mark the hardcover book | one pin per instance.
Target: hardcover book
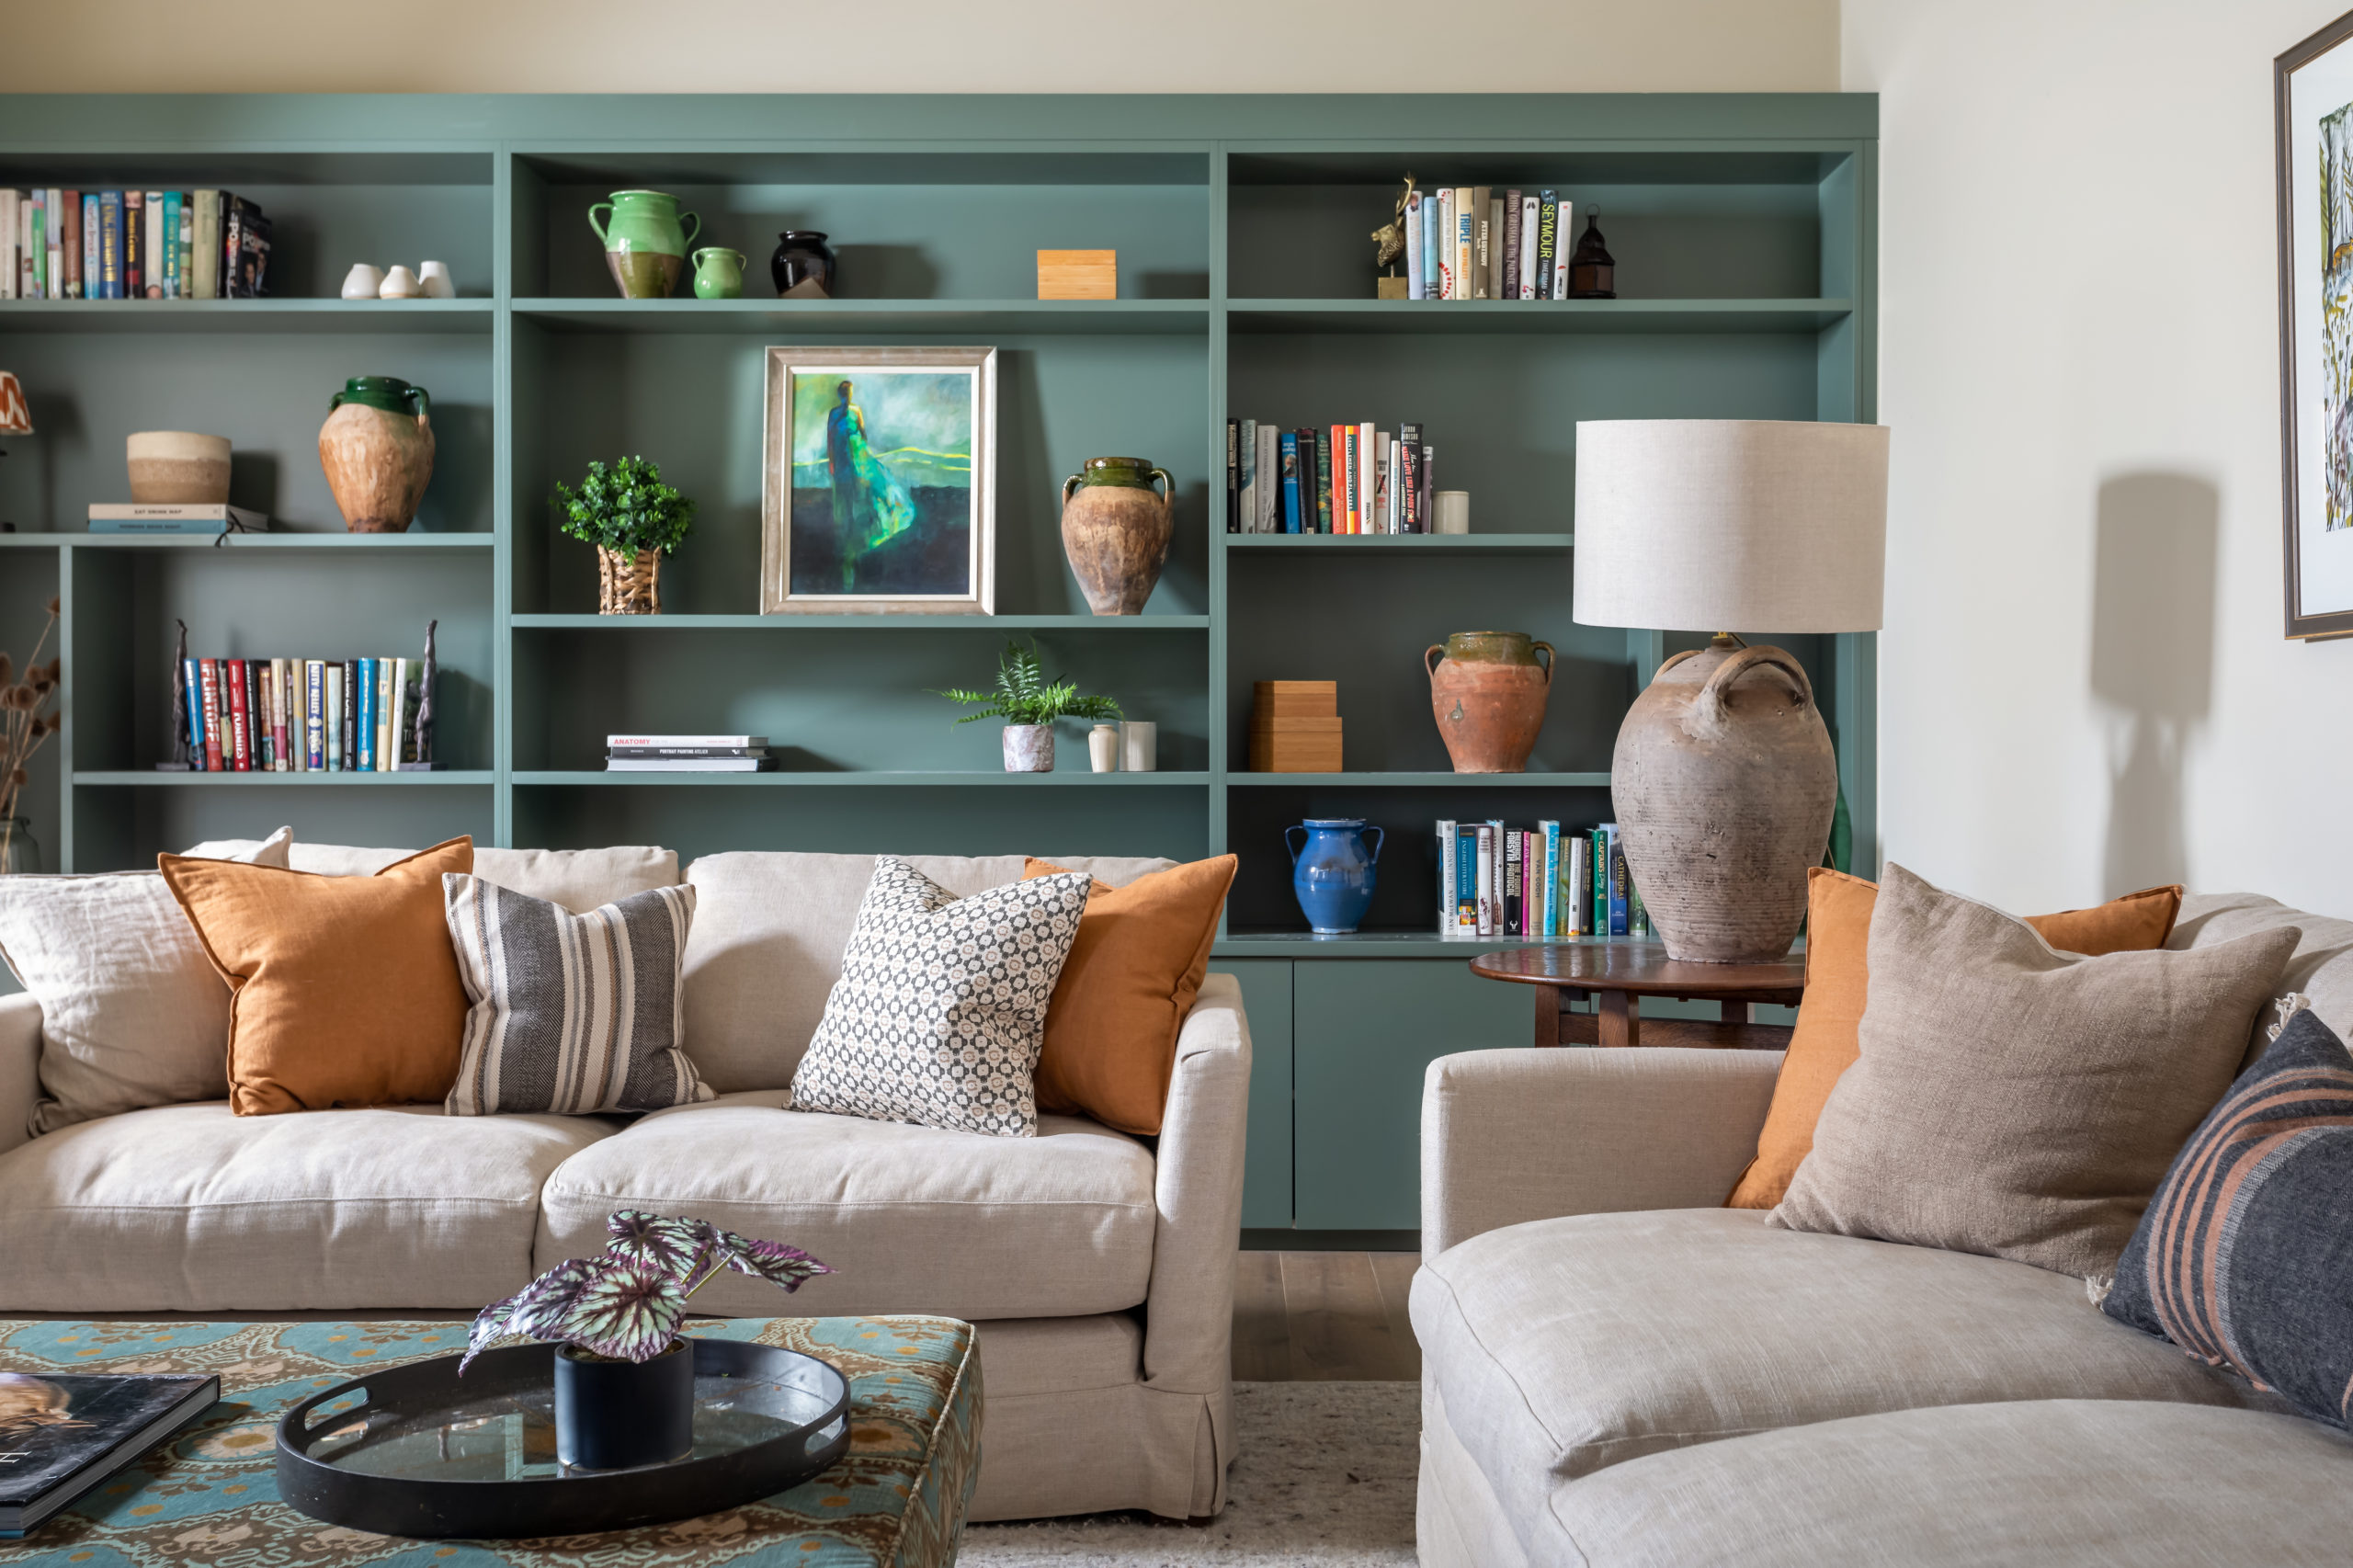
(110, 244)
(174, 517)
(1547, 239)
(1322, 481)
(204, 247)
(725, 742)
(135, 244)
(1290, 517)
(1234, 476)
(1482, 243)
(1511, 244)
(153, 247)
(62, 1434)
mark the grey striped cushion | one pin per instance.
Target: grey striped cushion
(572, 1013)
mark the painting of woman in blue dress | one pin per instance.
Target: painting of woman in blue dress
(881, 481)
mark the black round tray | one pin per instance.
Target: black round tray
(417, 1450)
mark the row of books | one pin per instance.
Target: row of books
(303, 715)
(1534, 883)
(1340, 479)
(132, 245)
(1478, 242)
(687, 754)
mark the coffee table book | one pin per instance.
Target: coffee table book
(62, 1435)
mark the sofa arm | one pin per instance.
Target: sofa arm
(1515, 1136)
(1189, 1312)
(19, 1068)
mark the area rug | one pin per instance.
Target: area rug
(1325, 1478)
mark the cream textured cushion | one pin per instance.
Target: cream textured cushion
(191, 1208)
(132, 1012)
(2091, 1483)
(769, 933)
(911, 1217)
(2321, 969)
(580, 879)
(2015, 1100)
(1568, 1346)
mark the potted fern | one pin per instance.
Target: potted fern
(1029, 703)
(634, 520)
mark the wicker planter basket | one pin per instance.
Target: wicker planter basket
(628, 585)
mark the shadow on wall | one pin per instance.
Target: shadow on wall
(2153, 661)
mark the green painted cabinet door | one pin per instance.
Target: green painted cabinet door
(1266, 1172)
(1363, 1030)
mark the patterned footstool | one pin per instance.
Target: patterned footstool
(210, 1495)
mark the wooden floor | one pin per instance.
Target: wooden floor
(1324, 1317)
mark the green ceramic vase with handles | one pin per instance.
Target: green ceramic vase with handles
(719, 273)
(645, 241)
(377, 451)
(1116, 530)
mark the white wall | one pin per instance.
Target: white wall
(2083, 683)
(918, 46)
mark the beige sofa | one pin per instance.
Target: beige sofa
(1617, 1371)
(1098, 1265)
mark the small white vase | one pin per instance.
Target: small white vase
(1103, 748)
(1029, 748)
(363, 281)
(1139, 746)
(400, 283)
(435, 277)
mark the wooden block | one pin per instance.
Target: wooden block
(1295, 699)
(1078, 274)
(1295, 745)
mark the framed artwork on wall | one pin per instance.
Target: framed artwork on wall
(879, 489)
(2313, 111)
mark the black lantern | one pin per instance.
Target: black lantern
(1593, 271)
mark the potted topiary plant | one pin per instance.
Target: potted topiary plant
(633, 520)
(624, 1380)
(1029, 703)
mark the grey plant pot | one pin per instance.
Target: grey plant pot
(1029, 748)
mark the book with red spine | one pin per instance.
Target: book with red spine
(281, 716)
(1345, 446)
(240, 717)
(209, 689)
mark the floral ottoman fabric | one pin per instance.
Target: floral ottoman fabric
(208, 1499)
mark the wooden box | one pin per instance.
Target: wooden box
(1078, 274)
(1295, 745)
(1295, 699)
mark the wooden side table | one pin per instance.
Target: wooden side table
(1622, 973)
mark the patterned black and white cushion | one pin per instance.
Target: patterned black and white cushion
(572, 1013)
(940, 1010)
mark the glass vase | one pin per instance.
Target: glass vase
(19, 851)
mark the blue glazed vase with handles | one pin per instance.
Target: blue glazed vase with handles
(1332, 873)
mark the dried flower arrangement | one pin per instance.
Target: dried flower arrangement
(28, 717)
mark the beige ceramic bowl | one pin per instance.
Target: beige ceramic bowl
(178, 468)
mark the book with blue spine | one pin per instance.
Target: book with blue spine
(1610, 873)
(1466, 879)
(1549, 926)
(193, 681)
(1289, 440)
(1414, 274)
(366, 715)
(110, 244)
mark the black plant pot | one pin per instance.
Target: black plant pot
(620, 1415)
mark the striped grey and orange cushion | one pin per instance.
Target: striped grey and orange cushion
(2244, 1259)
(570, 1012)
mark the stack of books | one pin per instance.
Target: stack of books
(303, 715)
(1474, 241)
(1341, 479)
(182, 517)
(1295, 726)
(132, 245)
(1536, 884)
(687, 754)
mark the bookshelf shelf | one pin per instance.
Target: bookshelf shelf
(1240, 223)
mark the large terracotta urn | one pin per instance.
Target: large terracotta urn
(377, 449)
(1724, 784)
(1487, 693)
(1116, 530)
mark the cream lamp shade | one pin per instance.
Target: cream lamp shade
(1719, 525)
(15, 416)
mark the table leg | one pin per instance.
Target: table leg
(1548, 1015)
(1621, 1018)
(1736, 1012)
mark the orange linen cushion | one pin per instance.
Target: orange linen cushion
(1823, 1046)
(1131, 976)
(344, 991)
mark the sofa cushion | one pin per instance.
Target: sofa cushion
(2321, 967)
(1568, 1346)
(769, 933)
(191, 1208)
(2092, 1483)
(580, 879)
(910, 1219)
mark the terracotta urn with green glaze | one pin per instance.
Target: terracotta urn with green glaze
(1487, 692)
(1116, 530)
(376, 450)
(646, 241)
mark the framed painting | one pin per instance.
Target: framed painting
(879, 494)
(2313, 110)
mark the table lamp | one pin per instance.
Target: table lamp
(1724, 777)
(16, 417)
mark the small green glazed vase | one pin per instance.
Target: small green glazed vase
(719, 273)
(646, 241)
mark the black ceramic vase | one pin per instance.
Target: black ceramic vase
(621, 1414)
(802, 258)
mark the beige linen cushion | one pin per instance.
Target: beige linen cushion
(579, 879)
(2015, 1100)
(1566, 1346)
(768, 937)
(911, 1218)
(131, 1012)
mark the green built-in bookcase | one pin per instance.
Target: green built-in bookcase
(1742, 227)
